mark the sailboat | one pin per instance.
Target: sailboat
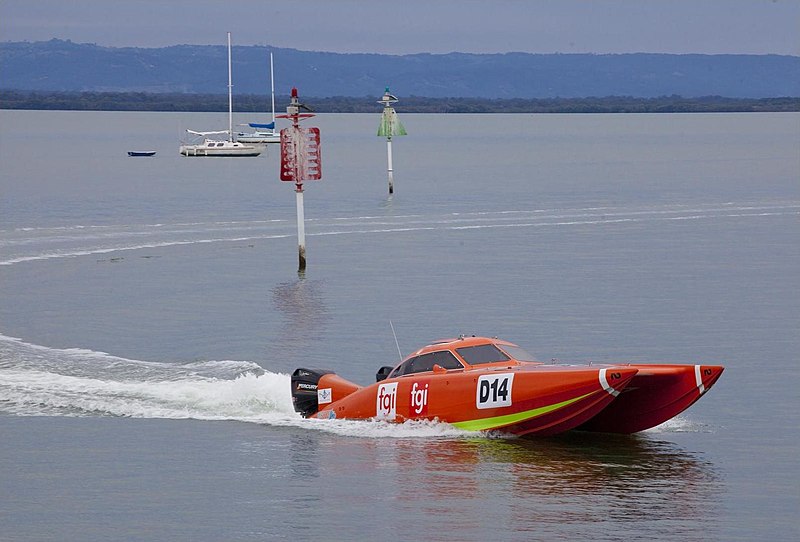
(221, 147)
(263, 133)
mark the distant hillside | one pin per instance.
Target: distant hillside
(63, 66)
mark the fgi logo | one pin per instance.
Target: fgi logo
(419, 398)
(386, 402)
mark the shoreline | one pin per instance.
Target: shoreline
(176, 102)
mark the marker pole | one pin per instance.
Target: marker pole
(301, 229)
(390, 125)
(300, 161)
(391, 171)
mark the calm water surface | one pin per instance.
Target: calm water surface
(151, 311)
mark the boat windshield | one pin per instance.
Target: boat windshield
(425, 362)
(485, 353)
(519, 354)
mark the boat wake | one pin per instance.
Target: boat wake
(40, 381)
(36, 380)
(31, 244)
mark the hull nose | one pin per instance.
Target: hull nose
(614, 379)
(706, 375)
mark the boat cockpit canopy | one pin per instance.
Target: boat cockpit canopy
(483, 353)
(425, 362)
(480, 354)
(519, 354)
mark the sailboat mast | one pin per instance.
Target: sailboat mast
(230, 93)
(272, 89)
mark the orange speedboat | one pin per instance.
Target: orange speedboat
(484, 384)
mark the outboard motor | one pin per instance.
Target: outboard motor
(383, 372)
(304, 390)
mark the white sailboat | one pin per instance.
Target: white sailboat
(263, 133)
(221, 147)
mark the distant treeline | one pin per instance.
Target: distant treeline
(141, 101)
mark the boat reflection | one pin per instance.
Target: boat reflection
(567, 487)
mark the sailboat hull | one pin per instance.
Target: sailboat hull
(263, 138)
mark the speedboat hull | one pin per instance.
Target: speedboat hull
(656, 394)
(482, 384)
(522, 400)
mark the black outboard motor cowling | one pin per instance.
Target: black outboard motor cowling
(304, 390)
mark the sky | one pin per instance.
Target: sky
(419, 26)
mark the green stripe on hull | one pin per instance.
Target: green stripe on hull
(497, 422)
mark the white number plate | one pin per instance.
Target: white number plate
(494, 390)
